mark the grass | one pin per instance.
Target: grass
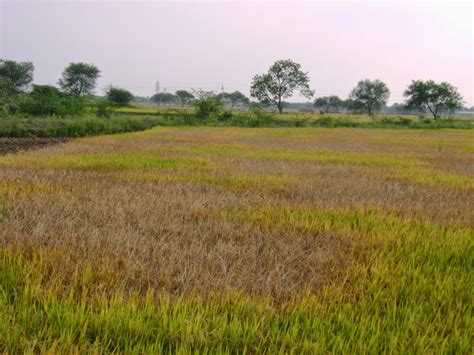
(302, 240)
(185, 116)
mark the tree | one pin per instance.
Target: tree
(370, 94)
(422, 95)
(234, 98)
(184, 96)
(79, 79)
(328, 102)
(282, 79)
(15, 77)
(163, 98)
(119, 96)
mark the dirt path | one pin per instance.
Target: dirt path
(13, 145)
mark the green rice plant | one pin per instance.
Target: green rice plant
(105, 162)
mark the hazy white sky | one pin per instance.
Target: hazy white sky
(203, 44)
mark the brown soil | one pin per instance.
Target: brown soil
(13, 145)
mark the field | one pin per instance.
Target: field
(183, 239)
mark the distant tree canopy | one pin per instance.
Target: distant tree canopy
(395, 108)
(119, 96)
(15, 77)
(279, 83)
(184, 96)
(328, 102)
(163, 98)
(234, 98)
(79, 79)
(422, 95)
(369, 94)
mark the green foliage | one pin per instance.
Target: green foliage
(8, 106)
(184, 96)
(279, 83)
(79, 79)
(422, 95)
(370, 94)
(46, 100)
(119, 96)
(104, 108)
(328, 103)
(15, 77)
(234, 98)
(257, 116)
(164, 98)
(208, 105)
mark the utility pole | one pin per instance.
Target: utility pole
(157, 87)
(222, 88)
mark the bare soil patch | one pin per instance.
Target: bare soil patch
(13, 145)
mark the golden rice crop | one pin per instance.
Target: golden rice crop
(240, 239)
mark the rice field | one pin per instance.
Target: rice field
(229, 240)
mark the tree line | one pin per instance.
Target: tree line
(285, 77)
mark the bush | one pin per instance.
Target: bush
(225, 116)
(104, 108)
(259, 113)
(207, 107)
(8, 106)
(46, 100)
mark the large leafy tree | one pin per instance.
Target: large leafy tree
(422, 95)
(328, 102)
(370, 94)
(279, 83)
(79, 79)
(15, 77)
(119, 96)
(184, 96)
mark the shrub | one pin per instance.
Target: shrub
(46, 100)
(226, 116)
(207, 107)
(104, 108)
